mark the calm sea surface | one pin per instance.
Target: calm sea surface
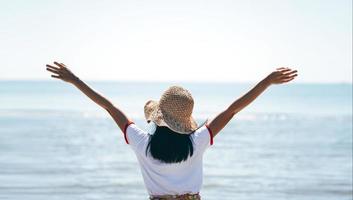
(294, 142)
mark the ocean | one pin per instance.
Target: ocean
(294, 142)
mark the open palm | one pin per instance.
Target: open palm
(282, 75)
(61, 72)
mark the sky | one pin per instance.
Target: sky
(212, 41)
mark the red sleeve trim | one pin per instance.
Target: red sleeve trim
(125, 128)
(211, 134)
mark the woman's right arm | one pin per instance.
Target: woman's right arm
(62, 72)
(281, 75)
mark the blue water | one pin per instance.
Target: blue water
(294, 142)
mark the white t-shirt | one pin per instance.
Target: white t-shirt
(165, 178)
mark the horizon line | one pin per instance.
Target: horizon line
(173, 81)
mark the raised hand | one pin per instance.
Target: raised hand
(281, 75)
(61, 72)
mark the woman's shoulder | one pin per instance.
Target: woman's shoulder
(134, 134)
(203, 135)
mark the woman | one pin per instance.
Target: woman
(171, 158)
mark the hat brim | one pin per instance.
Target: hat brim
(149, 108)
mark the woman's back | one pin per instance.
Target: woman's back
(162, 178)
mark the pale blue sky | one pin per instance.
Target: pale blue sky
(238, 41)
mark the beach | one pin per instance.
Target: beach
(294, 142)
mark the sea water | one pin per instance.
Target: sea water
(293, 142)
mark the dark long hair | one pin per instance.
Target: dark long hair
(168, 146)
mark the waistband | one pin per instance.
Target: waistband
(176, 197)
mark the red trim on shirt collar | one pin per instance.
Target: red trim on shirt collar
(125, 128)
(211, 134)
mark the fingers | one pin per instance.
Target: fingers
(279, 68)
(289, 75)
(287, 80)
(58, 69)
(291, 72)
(285, 71)
(61, 65)
(284, 75)
(54, 71)
(292, 76)
(52, 67)
(56, 76)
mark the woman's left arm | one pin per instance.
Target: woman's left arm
(281, 75)
(62, 72)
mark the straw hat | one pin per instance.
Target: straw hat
(173, 110)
